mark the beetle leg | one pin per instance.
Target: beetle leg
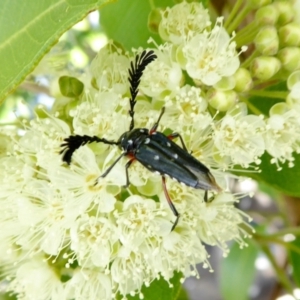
(205, 196)
(126, 170)
(154, 127)
(177, 135)
(173, 208)
(110, 168)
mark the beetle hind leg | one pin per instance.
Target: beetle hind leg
(172, 206)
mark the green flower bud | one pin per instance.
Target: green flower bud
(70, 87)
(243, 80)
(225, 84)
(285, 10)
(267, 15)
(293, 79)
(258, 3)
(154, 19)
(289, 35)
(290, 58)
(267, 41)
(222, 100)
(265, 67)
(279, 109)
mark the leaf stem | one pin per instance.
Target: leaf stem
(254, 109)
(238, 18)
(152, 4)
(247, 62)
(269, 94)
(233, 12)
(281, 275)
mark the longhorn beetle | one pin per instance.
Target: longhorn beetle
(154, 150)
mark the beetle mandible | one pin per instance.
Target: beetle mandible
(154, 150)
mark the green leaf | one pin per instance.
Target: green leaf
(295, 261)
(29, 29)
(285, 180)
(237, 272)
(126, 22)
(160, 290)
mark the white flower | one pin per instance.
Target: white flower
(182, 21)
(186, 105)
(93, 240)
(282, 136)
(79, 181)
(37, 280)
(89, 284)
(41, 212)
(163, 75)
(209, 56)
(96, 115)
(239, 138)
(140, 220)
(219, 222)
(110, 70)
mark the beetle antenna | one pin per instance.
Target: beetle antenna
(73, 142)
(135, 73)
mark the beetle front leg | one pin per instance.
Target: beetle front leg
(126, 170)
(154, 127)
(205, 196)
(110, 168)
(175, 135)
(172, 206)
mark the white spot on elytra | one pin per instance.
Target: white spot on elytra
(147, 141)
(156, 172)
(154, 133)
(168, 144)
(142, 130)
(130, 142)
(156, 157)
(175, 155)
(174, 179)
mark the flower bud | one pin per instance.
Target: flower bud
(265, 67)
(222, 100)
(279, 109)
(267, 15)
(267, 41)
(70, 87)
(225, 84)
(154, 19)
(289, 35)
(290, 58)
(286, 12)
(293, 79)
(258, 3)
(243, 80)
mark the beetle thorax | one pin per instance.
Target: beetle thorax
(130, 140)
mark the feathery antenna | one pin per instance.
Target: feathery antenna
(135, 73)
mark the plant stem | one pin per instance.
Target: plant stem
(281, 275)
(254, 109)
(269, 94)
(233, 12)
(247, 62)
(238, 19)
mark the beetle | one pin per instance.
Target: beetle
(154, 150)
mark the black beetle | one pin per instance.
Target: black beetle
(154, 150)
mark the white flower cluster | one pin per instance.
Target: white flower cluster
(63, 237)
